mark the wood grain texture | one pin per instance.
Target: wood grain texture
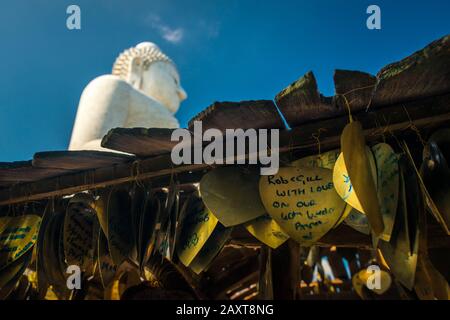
(258, 114)
(140, 141)
(302, 141)
(423, 74)
(301, 102)
(23, 171)
(78, 160)
(356, 86)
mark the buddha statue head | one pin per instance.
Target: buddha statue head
(150, 71)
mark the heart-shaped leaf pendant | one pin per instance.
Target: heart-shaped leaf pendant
(388, 185)
(17, 236)
(302, 201)
(379, 281)
(343, 184)
(323, 160)
(231, 193)
(360, 182)
(266, 230)
(197, 229)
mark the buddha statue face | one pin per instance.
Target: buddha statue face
(162, 82)
(149, 70)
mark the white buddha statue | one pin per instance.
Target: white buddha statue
(143, 91)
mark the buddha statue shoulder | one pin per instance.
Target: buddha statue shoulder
(143, 91)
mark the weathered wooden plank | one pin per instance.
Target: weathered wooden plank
(424, 114)
(301, 102)
(140, 141)
(256, 114)
(356, 86)
(78, 160)
(423, 74)
(430, 112)
(23, 171)
(157, 169)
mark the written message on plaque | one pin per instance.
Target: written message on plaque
(324, 160)
(302, 201)
(196, 231)
(211, 248)
(17, 236)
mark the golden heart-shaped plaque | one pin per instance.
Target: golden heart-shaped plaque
(302, 201)
(379, 282)
(388, 185)
(360, 184)
(196, 231)
(231, 193)
(324, 160)
(343, 184)
(17, 236)
(266, 230)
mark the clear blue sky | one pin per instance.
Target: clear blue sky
(225, 50)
